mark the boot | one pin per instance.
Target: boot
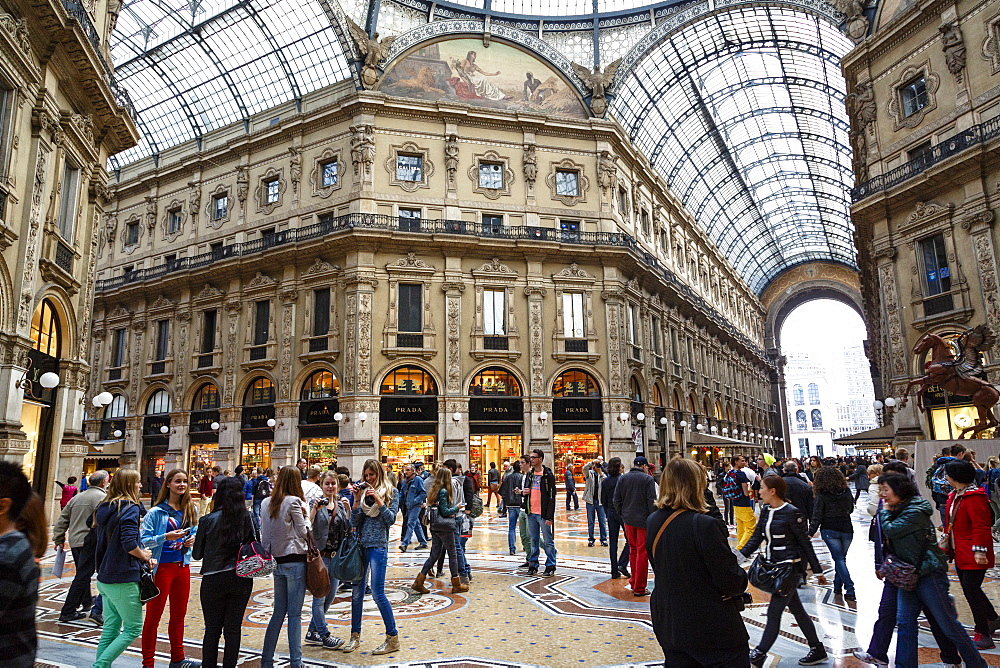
(353, 643)
(457, 587)
(418, 584)
(465, 580)
(391, 644)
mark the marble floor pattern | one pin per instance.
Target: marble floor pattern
(579, 617)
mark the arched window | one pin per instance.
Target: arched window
(657, 396)
(574, 383)
(817, 419)
(634, 389)
(159, 403)
(798, 396)
(813, 393)
(320, 385)
(495, 381)
(408, 380)
(116, 409)
(800, 421)
(45, 330)
(207, 398)
(261, 392)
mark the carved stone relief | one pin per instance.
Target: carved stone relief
(364, 360)
(288, 298)
(242, 185)
(991, 43)
(535, 339)
(363, 151)
(453, 353)
(894, 326)
(295, 167)
(451, 158)
(529, 161)
(350, 343)
(233, 308)
(31, 245)
(953, 46)
(507, 174)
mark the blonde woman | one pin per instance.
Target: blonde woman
(169, 530)
(442, 533)
(284, 529)
(375, 506)
(119, 553)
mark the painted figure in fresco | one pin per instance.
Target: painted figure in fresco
(476, 80)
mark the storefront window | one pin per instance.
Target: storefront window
(319, 432)
(256, 436)
(406, 448)
(577, 422)
(203, 439)
(495, 448)
(574, 451)
(494, 382)
(575, 383)
(408, 417)
(408, 380)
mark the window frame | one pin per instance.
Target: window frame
(69, 200)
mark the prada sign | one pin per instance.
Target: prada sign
(577, 410)
(318, 412)
(408, 409)
(256, 417)
(496, 409)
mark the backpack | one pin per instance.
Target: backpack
(939, 484)
(261, 489)
(729, 488)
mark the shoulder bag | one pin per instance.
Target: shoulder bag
(438, 522)
(147, 586)
(773, 577)
(348, 563)
(254, 561)
(656, 540)
(317, 577)
(899, 573)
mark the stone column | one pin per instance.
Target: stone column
(358, 439)
(620, 443)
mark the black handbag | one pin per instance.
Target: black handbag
(438, 522)
(147, 585)
(773, 577)
(348, 564)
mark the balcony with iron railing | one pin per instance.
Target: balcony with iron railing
(973, 136)
(348, 223)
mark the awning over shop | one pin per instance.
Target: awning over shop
(881, 437)
(111, 446)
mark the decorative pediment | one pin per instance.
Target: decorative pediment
(320, 266)
(410, 263)
(209, 292)
(120, 312)
(926, 212)
(261, 280)
(573, 273)
(162, 303)
(496, 268)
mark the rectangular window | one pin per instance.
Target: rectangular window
(914, 96)
(271, 191)
(215, 248)
(633, 323)
(657, 334)
(6, 115)
(328, 174)
(132, 233)
(409, 220)
(70, 190)
(493, 313)
(321, 312)
(162, 339)
(409, 307)
(920, 151)
(261, 323)
(220, 206)
(208, 323)
(937, 274)
(567, 183)
(492, 223)
(409, 168)
(573, 315)
(644, 217)
(491, 175)
(623, 202)
(118, 348)
(173, 221)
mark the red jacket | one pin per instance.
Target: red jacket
(972, 527)
(205, 486)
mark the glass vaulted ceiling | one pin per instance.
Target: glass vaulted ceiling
(741, 110)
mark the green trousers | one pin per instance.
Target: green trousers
(122, 621)
(522, 528)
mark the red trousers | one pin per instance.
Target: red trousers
(174, 582)
(637, 559)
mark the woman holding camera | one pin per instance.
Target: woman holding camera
(331, 521)
(442, 533)
(375, 506)
(697, 577)
(169, 529)
(782, 528)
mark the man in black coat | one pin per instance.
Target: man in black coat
(635, 495)
(800, 494)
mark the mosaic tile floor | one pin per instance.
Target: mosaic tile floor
(579, 617)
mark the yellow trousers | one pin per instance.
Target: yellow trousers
(745, 524)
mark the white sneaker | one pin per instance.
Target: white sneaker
(869, 659)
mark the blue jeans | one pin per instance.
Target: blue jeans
(512, 516)
(289, 595)
(839, 542)
(375, 559)
(321, 605)
(932, 592)
(886, 624)
(413, 525)
(602, 518)
(256, 513)
(619, 562)
(541, 536)
(463, 565)
(571, 494)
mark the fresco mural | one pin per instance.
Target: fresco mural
(500, 77)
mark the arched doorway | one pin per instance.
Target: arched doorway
(104, 454)
(319, 432)
(408, 417)
(155, 437)
(577, 421)
(256, 435)
(496, 417)
(37, 403)
(202, 438)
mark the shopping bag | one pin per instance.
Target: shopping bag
(59, 565)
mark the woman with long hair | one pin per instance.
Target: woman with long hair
(815, 464)
(169, 530)
(619, 562)
(697, 575)
(284, 529)
(442, 536)
(331, 521)
(832, 517)
(782, 530)
(375, 506)
(223, 594)
(119, 552)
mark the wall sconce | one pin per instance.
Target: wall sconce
(362, 416)
(338, 417)
(700, 427)
(663, 422)
(743, 433)
(47, 380)
(167, 430)
(641, 417)
(623, 417)
(103, 399)
(543, 416)
(725, 430)
(118, 433)
(216, 427)
(456, 416)
(714, 428)
(683, 423)
(272, 423)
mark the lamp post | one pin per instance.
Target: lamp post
(883, 409)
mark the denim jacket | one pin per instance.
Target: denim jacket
(154, 530)
(374, 531)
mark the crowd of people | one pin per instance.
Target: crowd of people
(670, 522)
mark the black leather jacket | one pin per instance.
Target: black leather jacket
(216, 553)
(510, 482)
(783, 529)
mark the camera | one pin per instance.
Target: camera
(362, 485)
